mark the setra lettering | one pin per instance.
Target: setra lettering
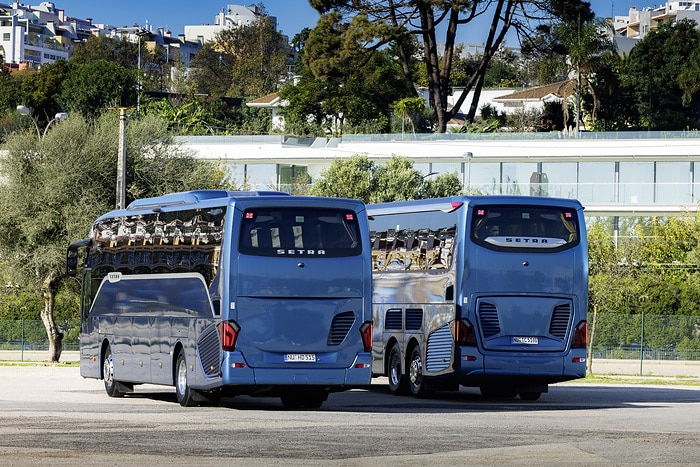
(295, 252)
(525, 240)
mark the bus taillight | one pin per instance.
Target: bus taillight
(463, 332)
(580, 336)
(366, 332)
(228, 333)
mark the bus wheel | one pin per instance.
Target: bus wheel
(185, 395)
(415, 373)
(397, 380)
(112, 387)
(530, 396)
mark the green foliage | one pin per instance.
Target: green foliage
(330, 96)
(651, 77)
(55, 186)
(397, 180)
(656, 331)
(349, 178)
(445, 184)
(210, 71)
(375, 24)
(245, 61)
(39, 91)
(409, 109)
(503, 71)
(654, 271)
(119, 51)
(90, 89)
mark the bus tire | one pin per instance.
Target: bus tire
(112, 388)
(416, 382)
(185, 395)
(398, 382)
(530, 395)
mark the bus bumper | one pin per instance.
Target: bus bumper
(236, 372)
(546, 369)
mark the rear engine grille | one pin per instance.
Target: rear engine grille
(209, 349)
(340, 327)
(439, 351)
(560, 321)
(488, 320)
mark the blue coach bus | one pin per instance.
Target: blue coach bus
(487, 292)
(224, 293)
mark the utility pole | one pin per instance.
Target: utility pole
(121, 160)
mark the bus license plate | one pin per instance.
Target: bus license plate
(300, 357)
(525, 340)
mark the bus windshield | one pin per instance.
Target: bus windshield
(307, 232)
(542, 228)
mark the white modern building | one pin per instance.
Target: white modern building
(231, 16)
(612, 174)
(37, 35)
(638, 23)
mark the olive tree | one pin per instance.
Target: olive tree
(54, 186)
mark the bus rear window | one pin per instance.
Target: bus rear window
(541, 228)
(307, 232)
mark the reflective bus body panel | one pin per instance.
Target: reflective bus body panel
(301, 302)
(523, 303)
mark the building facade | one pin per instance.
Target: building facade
(612, 174)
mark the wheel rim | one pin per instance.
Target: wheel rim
(108, 370)
(416, 370)
(182, 377)
(394, 369)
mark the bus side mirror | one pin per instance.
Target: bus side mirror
(72, 256)
(72, 263)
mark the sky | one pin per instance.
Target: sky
(292, 15)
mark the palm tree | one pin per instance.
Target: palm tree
(586, 43)
(408, 109)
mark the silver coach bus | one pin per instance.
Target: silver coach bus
(489, 292)
(225, 293)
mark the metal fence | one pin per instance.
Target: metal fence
(27, 334)
(643, 336)
(612, 335)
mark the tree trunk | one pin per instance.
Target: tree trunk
(49, 289)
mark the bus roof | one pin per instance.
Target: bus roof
(201, 199)
(451, 203)
(194, 197)
(189, 199)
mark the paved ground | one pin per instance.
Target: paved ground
(50, 416)
(674, 368)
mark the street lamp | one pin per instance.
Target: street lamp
(24, 110)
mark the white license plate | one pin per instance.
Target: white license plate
(300, 357)
(525, 340)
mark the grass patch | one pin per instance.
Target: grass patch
(36, 363)
(644, 379)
